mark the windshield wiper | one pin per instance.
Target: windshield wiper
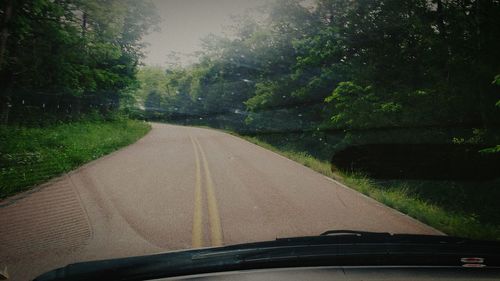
(332, 248)
(351, 232)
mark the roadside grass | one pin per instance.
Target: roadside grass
(30, 156)
(464, 209)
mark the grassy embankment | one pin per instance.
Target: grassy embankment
(465, 209)
(30, 156)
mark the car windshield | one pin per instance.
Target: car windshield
(139, 127)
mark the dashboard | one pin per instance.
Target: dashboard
(354, 273)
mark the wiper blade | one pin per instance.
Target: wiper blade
(355, 236)
(332, 248)
(353, 232)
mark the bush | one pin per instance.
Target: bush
(31, 155)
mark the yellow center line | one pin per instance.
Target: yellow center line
(213, 210)
(197, 239)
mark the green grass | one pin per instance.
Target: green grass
(465, 209)
(30, 156)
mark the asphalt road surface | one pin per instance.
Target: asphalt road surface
(178, 188)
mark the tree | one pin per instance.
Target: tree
(71, 54)
(348, 65)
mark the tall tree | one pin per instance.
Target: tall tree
(70, 54)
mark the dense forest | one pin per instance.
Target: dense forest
(424, 70)
(64, 58)
(371, 71)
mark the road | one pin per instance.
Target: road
(178, 188)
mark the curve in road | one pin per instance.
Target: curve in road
(178, 188)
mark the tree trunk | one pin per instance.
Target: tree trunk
(4, 35)
(6, 77)
(444, 36)
(84, 24)
(5, 109)
(481, 59)
(440, 18)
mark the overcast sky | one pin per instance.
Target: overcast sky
(185, 22)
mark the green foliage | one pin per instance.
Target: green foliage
(263, 95)
(30, 156)
(497, 80)
(71, 54)
(455, 218)
(355, 106)
(151, 79)
(348, 65)
(495, 149)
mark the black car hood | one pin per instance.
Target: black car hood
(333, 248)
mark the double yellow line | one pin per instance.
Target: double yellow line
(213, 210)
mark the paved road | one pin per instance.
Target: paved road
(179, 188)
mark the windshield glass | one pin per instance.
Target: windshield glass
(138, 127)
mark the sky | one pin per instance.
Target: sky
(185, 22)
